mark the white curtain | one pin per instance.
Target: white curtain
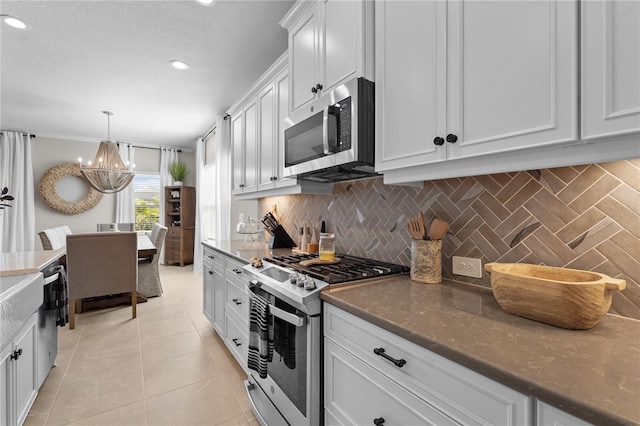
(167, 156)
(197, 246)
(223, 179)
(17, 223)
(125, 199)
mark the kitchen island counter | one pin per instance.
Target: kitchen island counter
(593, 374)
(27, 262)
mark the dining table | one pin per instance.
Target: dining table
(146, 248)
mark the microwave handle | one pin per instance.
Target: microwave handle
(325, 131)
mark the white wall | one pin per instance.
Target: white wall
(48, 152)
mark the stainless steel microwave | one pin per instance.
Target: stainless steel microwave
(332, 139)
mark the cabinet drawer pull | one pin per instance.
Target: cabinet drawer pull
(236, 342)
(379, 421)
(398, 362)
(237, 271)
(210, 272)
(438, 141)
(211, 257)
(451, 138)
(16, 354)
(237, 301)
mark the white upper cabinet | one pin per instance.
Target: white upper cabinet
(268, 140)
(610, 68)
(257, 137)
(512, 76)
(244, 138)
(251, 146)
(410, 56)
(330, 42)
(237, 153)
(462, 78)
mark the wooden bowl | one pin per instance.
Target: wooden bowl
(567, 298)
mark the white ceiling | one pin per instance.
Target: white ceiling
(83, 57)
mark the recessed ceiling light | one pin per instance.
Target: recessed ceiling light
(206, 2)
(15, 22)
(179, 65)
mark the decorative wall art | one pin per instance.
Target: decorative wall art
(49, 194)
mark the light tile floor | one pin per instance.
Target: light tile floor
(166, 367)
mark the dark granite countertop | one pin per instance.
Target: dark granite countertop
(593, 374)
(243, 251)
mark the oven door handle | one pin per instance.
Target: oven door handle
(283, 315)
(286, 316)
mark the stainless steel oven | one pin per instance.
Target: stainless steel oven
(286, 387)
(287, 391)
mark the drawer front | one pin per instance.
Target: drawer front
(173, 233)
(357, 394)
(461, 393)
(213, 259)
(237, 339)
(233, 269)
(238, 301)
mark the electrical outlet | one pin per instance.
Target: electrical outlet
(467, 266)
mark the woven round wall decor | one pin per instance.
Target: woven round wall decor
(48, 192)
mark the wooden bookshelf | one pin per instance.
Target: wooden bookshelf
(180, 218)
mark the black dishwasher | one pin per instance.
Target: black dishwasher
(47, 317)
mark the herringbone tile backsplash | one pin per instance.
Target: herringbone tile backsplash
(583, 217)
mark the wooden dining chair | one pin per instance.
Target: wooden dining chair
(100, 264)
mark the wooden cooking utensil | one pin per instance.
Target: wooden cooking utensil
(424, 225)
(319, 262)
(415, 228)
(438, 229)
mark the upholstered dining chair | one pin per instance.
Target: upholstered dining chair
(100, 264)
(124, 227)
(54, 238)
(149, 284)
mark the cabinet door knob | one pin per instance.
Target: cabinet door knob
(451, 138)
(16, 354)
(318, 87)
(314, 90)
(236, 342)
(379, 421)
(438, 141)
(241, 185)
(210, 272)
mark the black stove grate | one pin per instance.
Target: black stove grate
(350, 268)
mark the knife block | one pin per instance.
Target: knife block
(280, 239)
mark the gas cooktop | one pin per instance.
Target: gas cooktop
(350, 268)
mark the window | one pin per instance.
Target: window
(208, 202)
(146, 188)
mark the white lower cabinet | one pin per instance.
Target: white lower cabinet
(358, 394)
(213, 288)
(404, 383)
(548, 415)
(18, 368)
(226, 301)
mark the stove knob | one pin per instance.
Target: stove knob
(309, 284)
(293, 278)
(301, 280)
